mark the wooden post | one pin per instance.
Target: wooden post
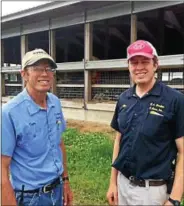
(2, 74)
(24, 49)
(88, 56)
(52, 52)
(133, 32)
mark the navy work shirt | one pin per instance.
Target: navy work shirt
(149, 126)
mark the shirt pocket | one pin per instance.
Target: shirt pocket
(59, 126)
(156, 124)
(27, 135)
(32, 140)
(123, 120)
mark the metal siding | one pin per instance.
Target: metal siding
(6, 33)
(140, 6)
(35, 27)
(67, 20)
(36, 10)
(107, 12)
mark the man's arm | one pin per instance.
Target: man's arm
(114, 172)
(68, 196)
(62, 145)
(112, 194)
(178, 189)
(8, 196)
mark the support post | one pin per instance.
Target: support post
(160, 37)
(133, 31)
(24, 49)
(52, 52)
(2, 74)
(88, 56)
(133, 28)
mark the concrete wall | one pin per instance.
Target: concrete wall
(88, 115)
(99, 112)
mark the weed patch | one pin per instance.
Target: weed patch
(89, 162)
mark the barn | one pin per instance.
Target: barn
(88, 40)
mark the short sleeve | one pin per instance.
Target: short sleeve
(63, 119)
(114, 122)
(8, 134)
(179, 117)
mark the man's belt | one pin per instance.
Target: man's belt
(44, 189)
(142, 182)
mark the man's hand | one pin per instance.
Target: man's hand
(67, 194)
(112, 195)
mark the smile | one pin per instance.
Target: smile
(143, 73)
(44, 82)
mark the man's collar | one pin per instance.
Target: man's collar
(155, 91)
(33, 108)
(131, 91)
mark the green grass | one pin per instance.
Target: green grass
(182, 202)
(89, 162)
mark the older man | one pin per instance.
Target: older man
(32, 125)
(149, 120)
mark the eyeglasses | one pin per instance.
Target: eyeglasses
(40, 69)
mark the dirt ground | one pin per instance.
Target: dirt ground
(86, 126)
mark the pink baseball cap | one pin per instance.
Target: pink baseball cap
(141, 48)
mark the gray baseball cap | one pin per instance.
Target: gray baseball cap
(32, 57)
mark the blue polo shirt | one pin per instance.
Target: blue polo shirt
(31, 135)
(149, 127)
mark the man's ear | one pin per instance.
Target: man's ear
(23, 74)
(155, 67)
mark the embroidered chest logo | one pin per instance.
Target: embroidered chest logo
(156, 109)
(58, 118)
(124, 106)
(58, 121)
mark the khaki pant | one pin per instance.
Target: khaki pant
(129, 194)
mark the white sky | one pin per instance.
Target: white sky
(9, 7)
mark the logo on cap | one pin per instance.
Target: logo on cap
(39, 52)
(138, 46)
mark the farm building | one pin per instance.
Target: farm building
(88, 40)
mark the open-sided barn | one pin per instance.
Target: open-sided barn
(88, 40)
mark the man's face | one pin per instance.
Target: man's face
(142, 69)
(39, 78)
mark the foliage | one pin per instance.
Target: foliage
(89, 162)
